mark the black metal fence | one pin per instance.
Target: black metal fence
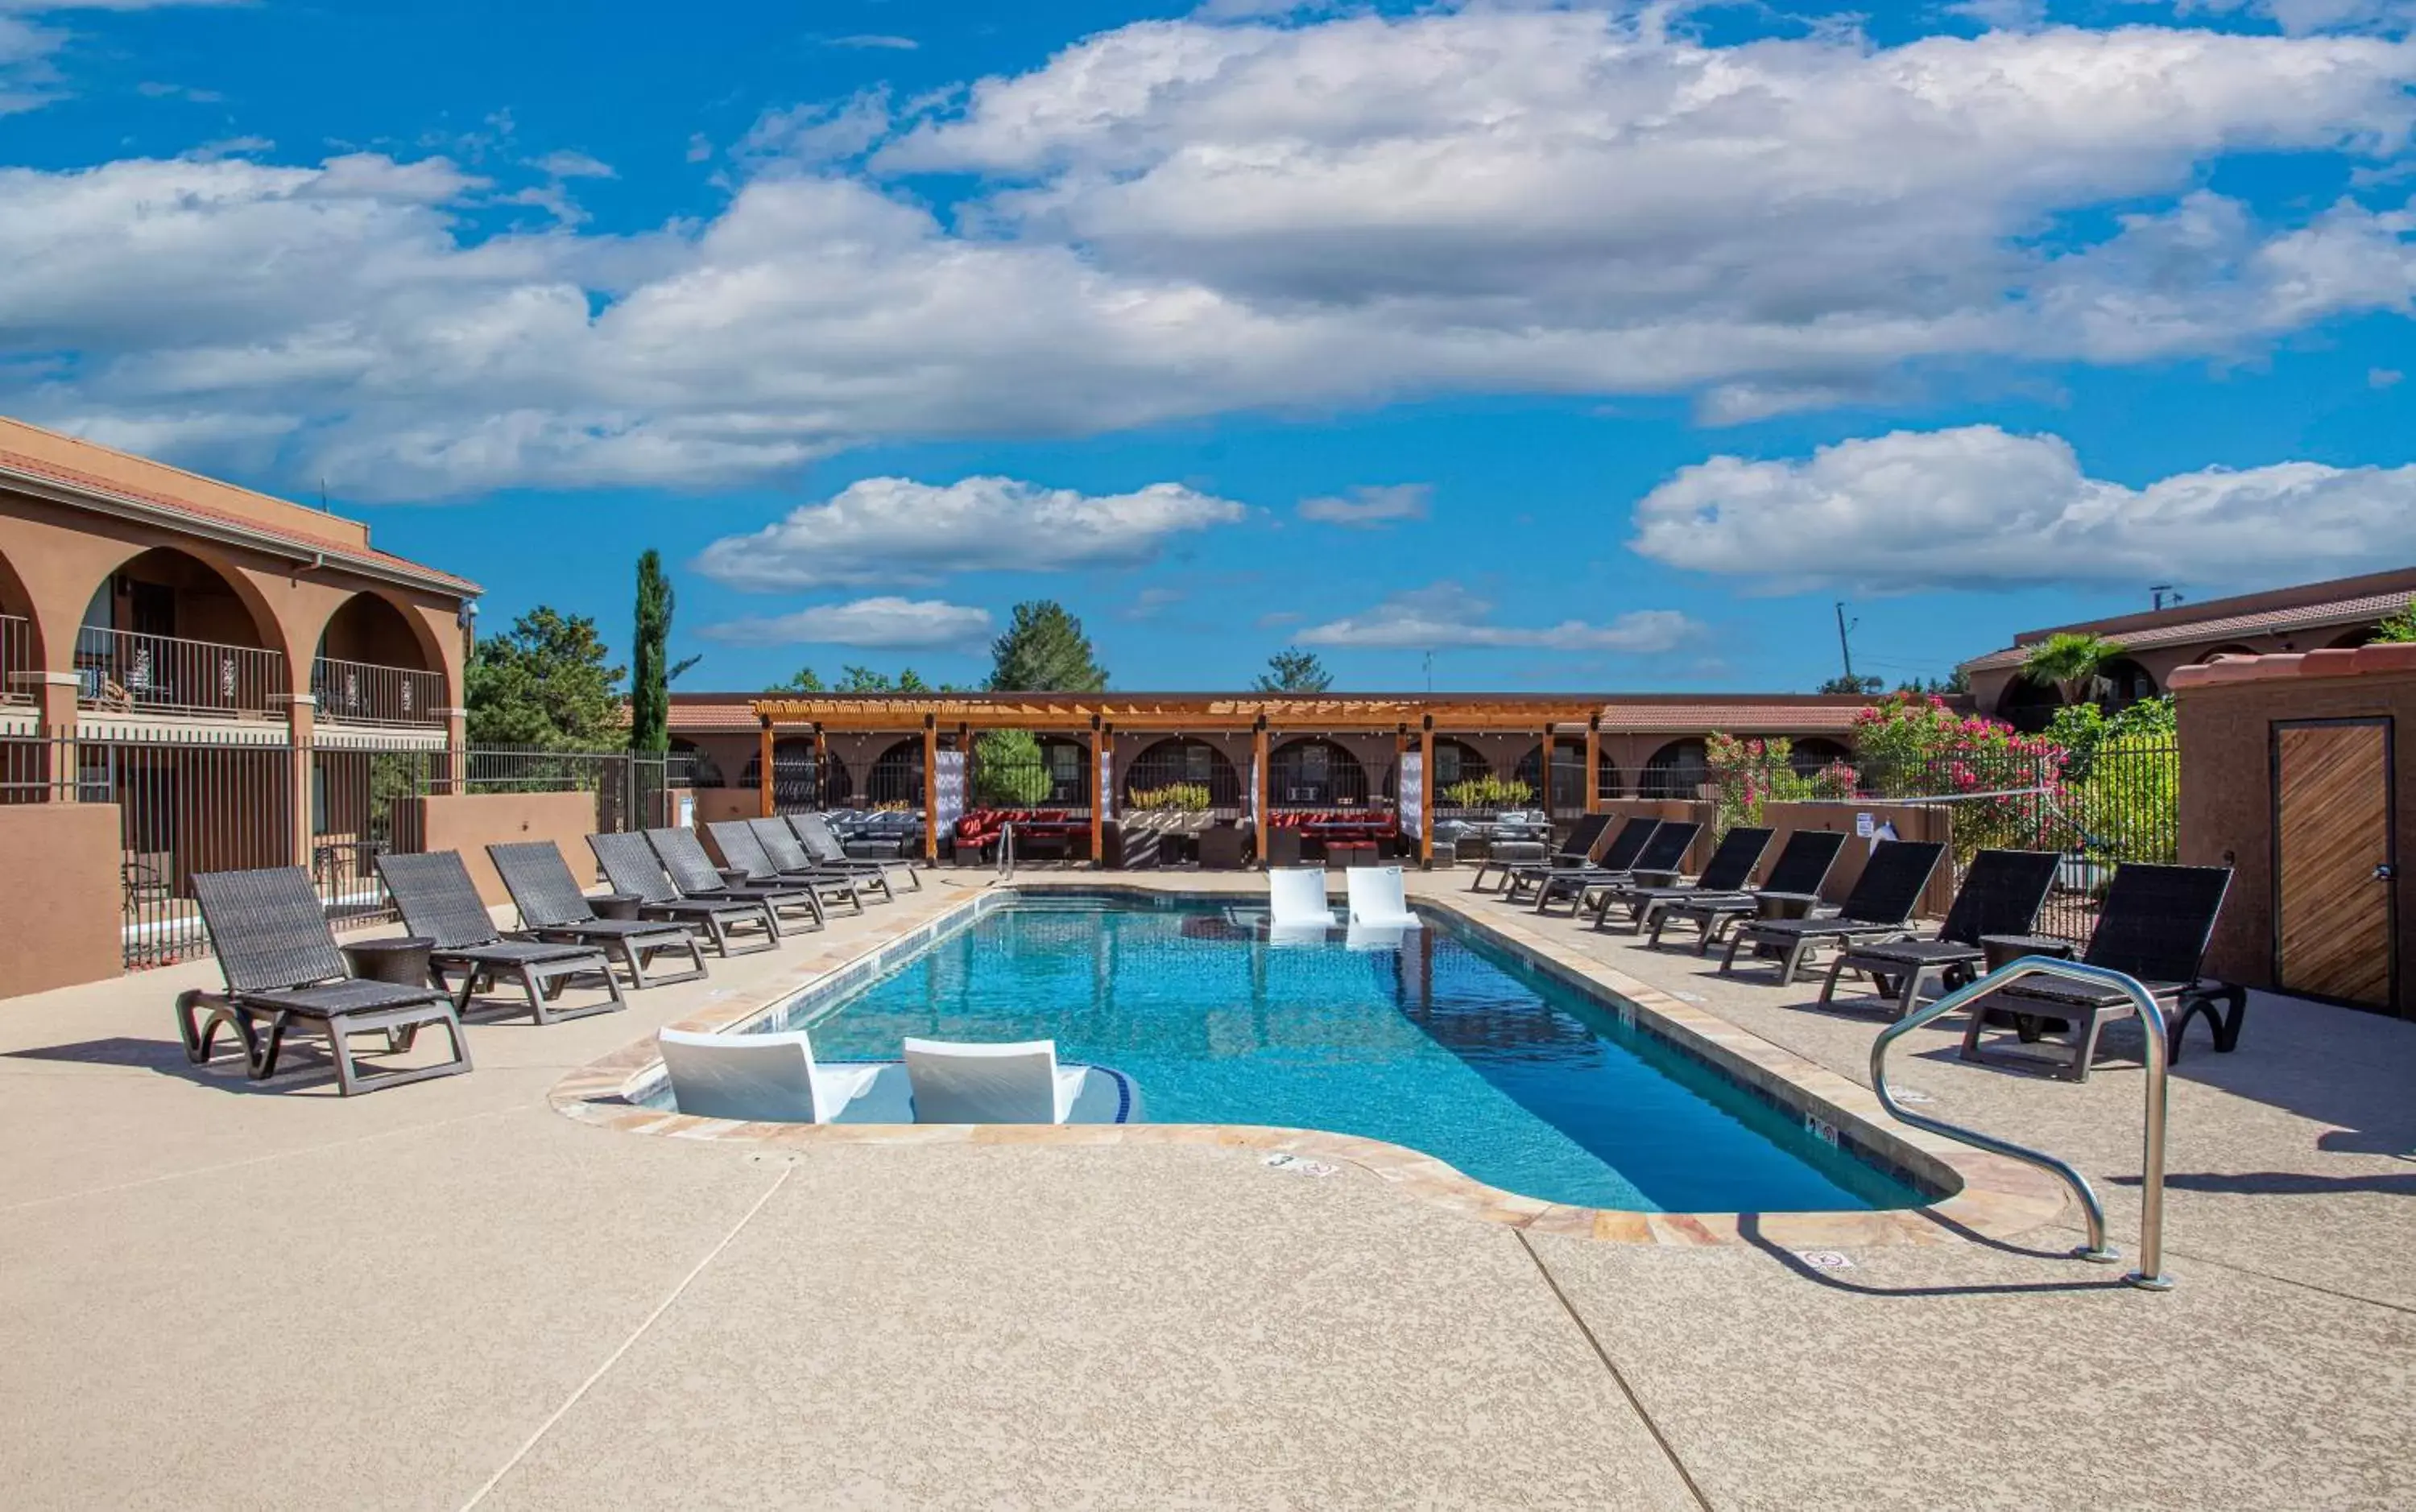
(2120, 802)
(187, 804)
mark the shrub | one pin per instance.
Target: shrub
(1489, 792)
(1181, 798)
(1913, 745)
(1008, 772)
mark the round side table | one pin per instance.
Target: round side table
(2003, 950)
(403, 962)
(614, 905)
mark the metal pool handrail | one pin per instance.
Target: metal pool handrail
(2150, 1275)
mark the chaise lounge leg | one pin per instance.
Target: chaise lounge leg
(1736, 942)
(1829, 983)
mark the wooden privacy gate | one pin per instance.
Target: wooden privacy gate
(2334, 867)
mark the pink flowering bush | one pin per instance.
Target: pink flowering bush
(1913, 745)
(1749, 772)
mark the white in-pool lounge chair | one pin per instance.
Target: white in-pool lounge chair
(1296, 898)
(1360, 936)
(1013, 1083)
(774, 1078)
(1377, 897)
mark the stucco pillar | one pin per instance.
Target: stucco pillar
(457, 750)
(302, 712)
(56, 699)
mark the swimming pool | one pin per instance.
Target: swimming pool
(1434, 1040)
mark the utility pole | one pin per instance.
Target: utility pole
(1845, 648)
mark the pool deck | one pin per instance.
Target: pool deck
(450, 1295)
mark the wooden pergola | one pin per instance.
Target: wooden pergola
(1408, 717)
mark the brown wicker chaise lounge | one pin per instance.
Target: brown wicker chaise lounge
(789, 857)
(553, 907)
(742, 848)
(2001, 893)
(281, 965)
(1879, 907)
(439, 904)
(632, 867)
(1802, 865)
(2152, 926)
(1730, 868)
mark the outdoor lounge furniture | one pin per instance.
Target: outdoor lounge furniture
(1012, 1084)
(1664, 853)
(743, 850)
(785, 856)
(2001, 893)
(820, 845)
(1731, 867)
(1584, 837)
(2152, 926)
(1802, 865)
(1879, 907)
(439, 904)
(632, 867)
(693, 874)
(774, 1078)
(281, 965)
(1296, 898)
(553, 908)
(1379, 897)
(1616, 857)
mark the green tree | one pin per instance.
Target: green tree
(1857, 686)
(800, 680)
(650, 685)
(2072, 662)
(545, 682)
(1008, 772)
(1293, 671)
(1044, 651)
(2399, 627)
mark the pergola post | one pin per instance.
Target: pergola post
(763, 769)
(1593, 764)
(1259, 784)
(1103, 743)
(821, 775)
(1425, 793)
(931, 789)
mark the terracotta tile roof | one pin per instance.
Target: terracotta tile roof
(39, 467)
(725, 714)
(2358, 661)
(2345, 611)
(1741, 716)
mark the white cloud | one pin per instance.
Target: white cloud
(1152, 601)
(875, 41)
(1447, 615)
(2379, 378)
(2301, 18)
(886, 622)
(30, 76)
(897, 530)
(1370, 505)
(1979, 507)
(1182, 219)
(568, 164)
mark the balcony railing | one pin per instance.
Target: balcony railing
(119, 669)
(363, 692)
(17, 658)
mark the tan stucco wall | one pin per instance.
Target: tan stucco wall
(1678, 809)
(470, 822)
(59, 918)
(2226, 802)
(146, 476)
(56, 556)
(1912, 821)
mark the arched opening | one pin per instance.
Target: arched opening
(693, 766)
(2235, 649)
(167, 633)
(2028, 706)
(2125, 683)
(1065, 761)
(20, 641)
(1314, 772)
(1457, 761)
(896, 779)
(1566, 791)
(793, 775)
(1678, 770)
(1810, 755)
(1186, 761)
(2351, 639)
(1608, 780)
(373, 667)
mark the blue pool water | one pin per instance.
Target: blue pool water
(1442, 1044)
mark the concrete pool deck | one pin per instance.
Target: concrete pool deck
(449, 1293)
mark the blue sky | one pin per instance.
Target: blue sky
(1598, 346)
